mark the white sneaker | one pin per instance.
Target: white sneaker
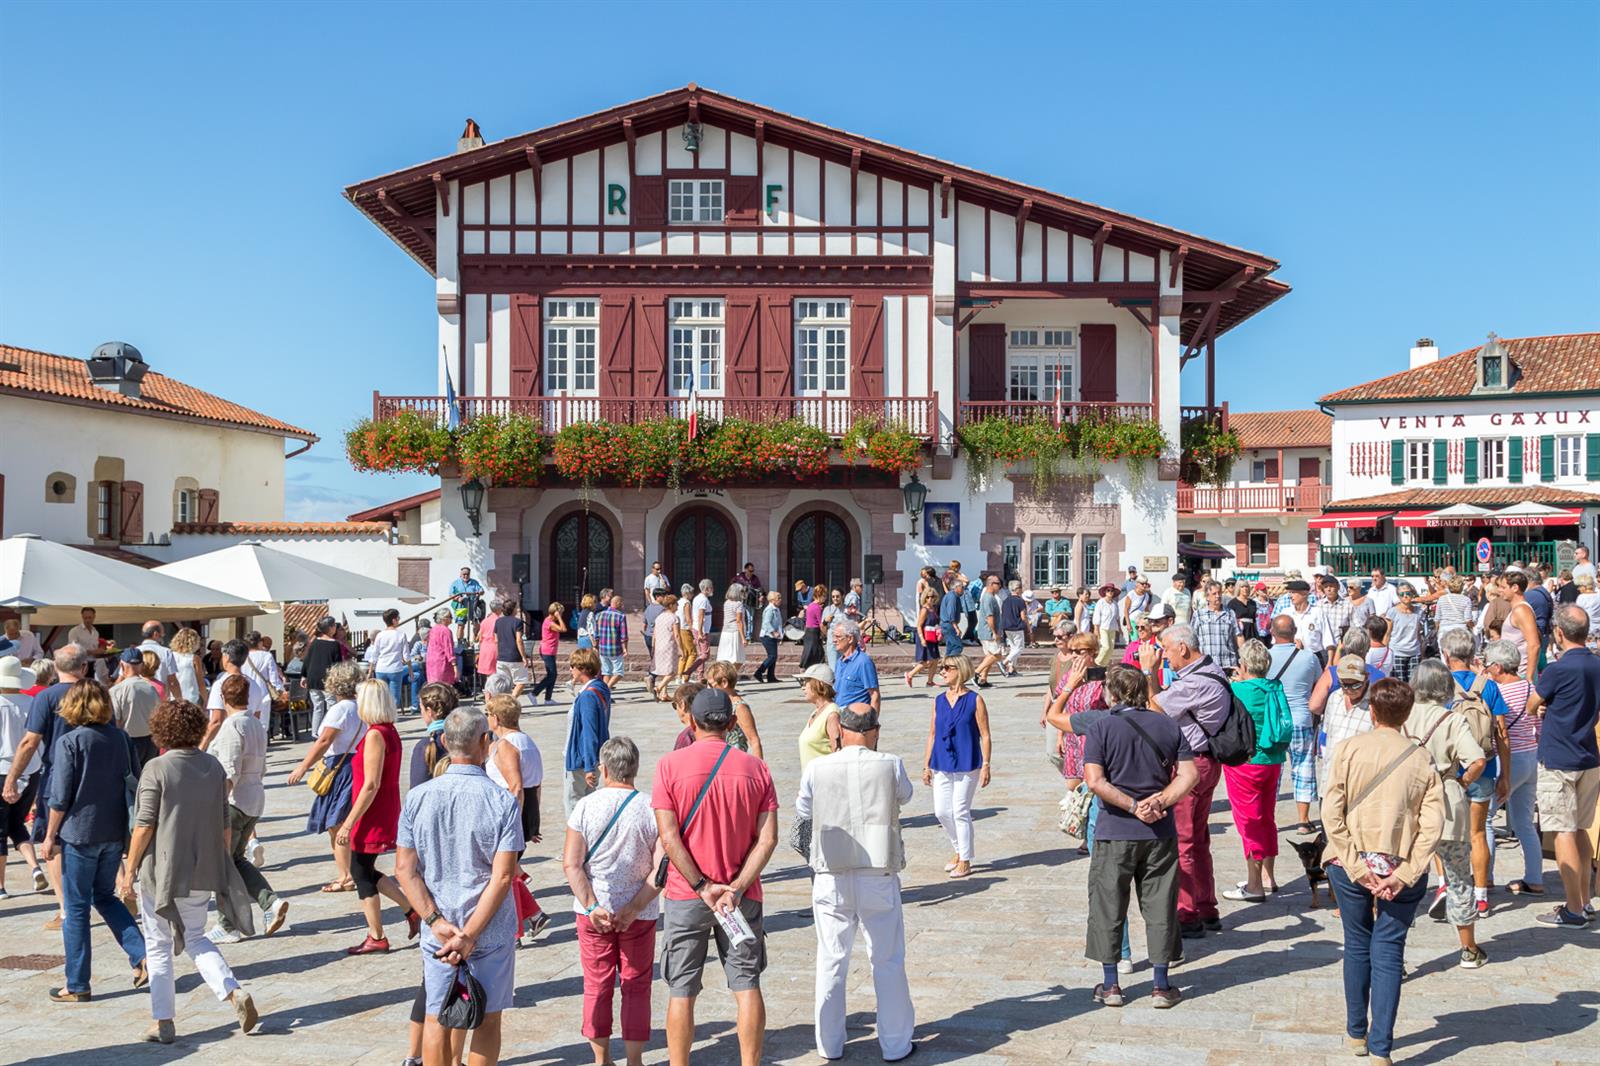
(258, 854)
(40, 884)
(1124, 965)
(218, 935)
(274, 918)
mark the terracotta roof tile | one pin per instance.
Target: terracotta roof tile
(285, 529)
(1483, 497)
(384, 511)
(1282, 429)
(1566, 362)
(24, 371)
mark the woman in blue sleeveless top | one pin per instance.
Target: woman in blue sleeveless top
(957, 760)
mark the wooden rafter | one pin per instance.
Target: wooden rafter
(1135, 312)
(537, 166)
(442, 187)
(1204, 331)
(944, 195)
(1237, 280)
(1022, 220)
(422, 227)
(1100, 236)
(1177, 264)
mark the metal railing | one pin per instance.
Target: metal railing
(834, 414)
(1354, 560)
(1308, 498)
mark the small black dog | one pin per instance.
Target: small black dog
(1310, 852)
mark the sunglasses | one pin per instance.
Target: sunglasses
(945, 669)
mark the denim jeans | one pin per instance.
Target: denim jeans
(89, 878)
(1374, 948)
(418, 676)
(320, 703)
(1519, 815)
(396, 682)
(952, 639)
(769, 664)
(547, 683)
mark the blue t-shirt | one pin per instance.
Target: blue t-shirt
(1570, 688)
(950, 608)
(1497, 707)
(1011, 614)
(854, 678)
(988, 611)
(1134, 767)
(1539, 600)
(45, 719)
(1298, 679)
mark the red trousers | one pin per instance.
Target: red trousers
(1197, 885)
(632, 952)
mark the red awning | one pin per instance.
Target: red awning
(1412, 519)
(1350, 519)
(1568, 517)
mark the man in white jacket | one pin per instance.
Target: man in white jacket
(853, 798)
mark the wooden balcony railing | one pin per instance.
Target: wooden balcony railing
(835, 414)
(1258, 499)
(1059, 413)
(1202, 413)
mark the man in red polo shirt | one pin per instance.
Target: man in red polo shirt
(715, 870)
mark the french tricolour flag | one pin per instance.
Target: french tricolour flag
(694, 405)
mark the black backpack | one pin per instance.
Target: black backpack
(1234, 742)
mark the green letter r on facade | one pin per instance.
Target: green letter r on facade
(616, 200)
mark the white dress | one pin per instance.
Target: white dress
(730, 648)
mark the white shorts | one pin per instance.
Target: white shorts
(992, 647)
(516, 673)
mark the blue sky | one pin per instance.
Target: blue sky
(171, 175)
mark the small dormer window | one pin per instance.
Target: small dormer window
(1494, 366)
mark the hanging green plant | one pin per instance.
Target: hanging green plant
(1208, 453)
(887, 446)
(1086, 446)
(408, 441)
(503, 449)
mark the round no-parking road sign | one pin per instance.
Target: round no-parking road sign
(1485, 550)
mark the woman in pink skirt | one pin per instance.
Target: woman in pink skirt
(1253, 786)
(440, 663)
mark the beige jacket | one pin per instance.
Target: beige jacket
(1403, 816)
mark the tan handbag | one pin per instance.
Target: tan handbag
(320, 779)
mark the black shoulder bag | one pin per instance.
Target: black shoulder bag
(1234, 742)
(666, 861)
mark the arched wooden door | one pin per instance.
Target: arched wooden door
(819, 551)
(582, 557)
(700, 544)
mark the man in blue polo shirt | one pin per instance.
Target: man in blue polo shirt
(1567, 697)
(855, 676)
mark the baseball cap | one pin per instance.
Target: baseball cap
(1352, 668)
(818, 672)
(712, 708)
(1159, 613)
(133, 656)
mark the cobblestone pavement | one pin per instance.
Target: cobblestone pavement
(996, 960)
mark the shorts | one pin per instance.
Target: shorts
(1481, 790)
(992, 647)
(516, 673)
(613, 665)
(686, 924)
(1567, 799)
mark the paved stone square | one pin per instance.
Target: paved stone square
(996, 960)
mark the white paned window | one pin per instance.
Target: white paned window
(571, 347)
(188, 505)
(1569, 457)
(694, 200)
(103, 508)
(696, 328)
(1052, 561)
(1419, 460)
(1042, 365)
(821, 346)
(1258, 549)
(1258, 470)
(1492, 460)
(1091, 562)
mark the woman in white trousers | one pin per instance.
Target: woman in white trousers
(957, 758)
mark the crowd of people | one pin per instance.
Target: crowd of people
(1406, 721)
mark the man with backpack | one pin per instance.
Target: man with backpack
(1479, 700)
(1200, 700)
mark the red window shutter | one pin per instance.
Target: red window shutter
(742, 358)
(1272, 469)
(649, 201)
(208, 507)
(1272, 547)
(616, 345)
(1310, 470)
(743, 201)
(1313, 545)
(650, 345)
(132, 528)
(777, 347)
(866, 347)
(1241, 549)
(525, 346)
(1098, 342)
(986, 362)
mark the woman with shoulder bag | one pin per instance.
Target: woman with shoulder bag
(332, 754)
(1253, 785)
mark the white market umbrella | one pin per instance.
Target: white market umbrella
(1535, 514)
(267, 575)
(51, 583)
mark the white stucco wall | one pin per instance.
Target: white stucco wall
(43, 438)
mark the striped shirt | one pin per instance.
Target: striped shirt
(1522, 728)
(1452, 611)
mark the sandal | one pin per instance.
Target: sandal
(1523, 888)
(339, 886)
